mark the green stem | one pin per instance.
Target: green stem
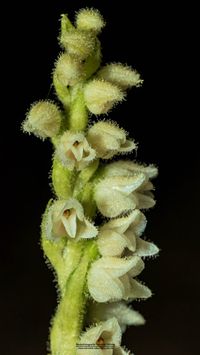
(62, 179)
(78, 113)
(67, 322)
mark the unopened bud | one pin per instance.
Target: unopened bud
(90, 20)
(78, 43)
(101, 96)
(120, 75)
(108, 139)
(69, 70)
(43, 119)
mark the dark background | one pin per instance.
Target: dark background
(156, 41)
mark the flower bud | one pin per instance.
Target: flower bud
(101, 96)
(74, 151)
(114, 195)
(90, 20)
(108, 140)
(69, 70)
(43, 120)
(78, 43)
(120, 75)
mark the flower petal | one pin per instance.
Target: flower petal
(117, 267)
(145, 248)
(138, 290)
(144, 201)
(86, 230)
(110, 243)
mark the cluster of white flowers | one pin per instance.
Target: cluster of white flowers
(120, 191)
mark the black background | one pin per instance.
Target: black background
(155, 40)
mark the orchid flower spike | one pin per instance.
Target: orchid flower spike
(96, 268)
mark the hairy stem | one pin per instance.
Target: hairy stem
(67, 322)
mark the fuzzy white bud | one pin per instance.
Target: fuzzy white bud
(68, 70)
(43, 120)
(108, 140)
(90, 20)
(101, 96)
(120, 75)
(78, 43)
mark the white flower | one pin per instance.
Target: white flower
(111, 195)
(101, 96)
(110, 279)
(102, 339)
(108, 139)
(74, 151)
(66, 218)
(125, 315)
(121, 75)
(117, 194)
(144, 195)
(124, 232)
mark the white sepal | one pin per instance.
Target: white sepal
(120, 75)
(101, 96)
